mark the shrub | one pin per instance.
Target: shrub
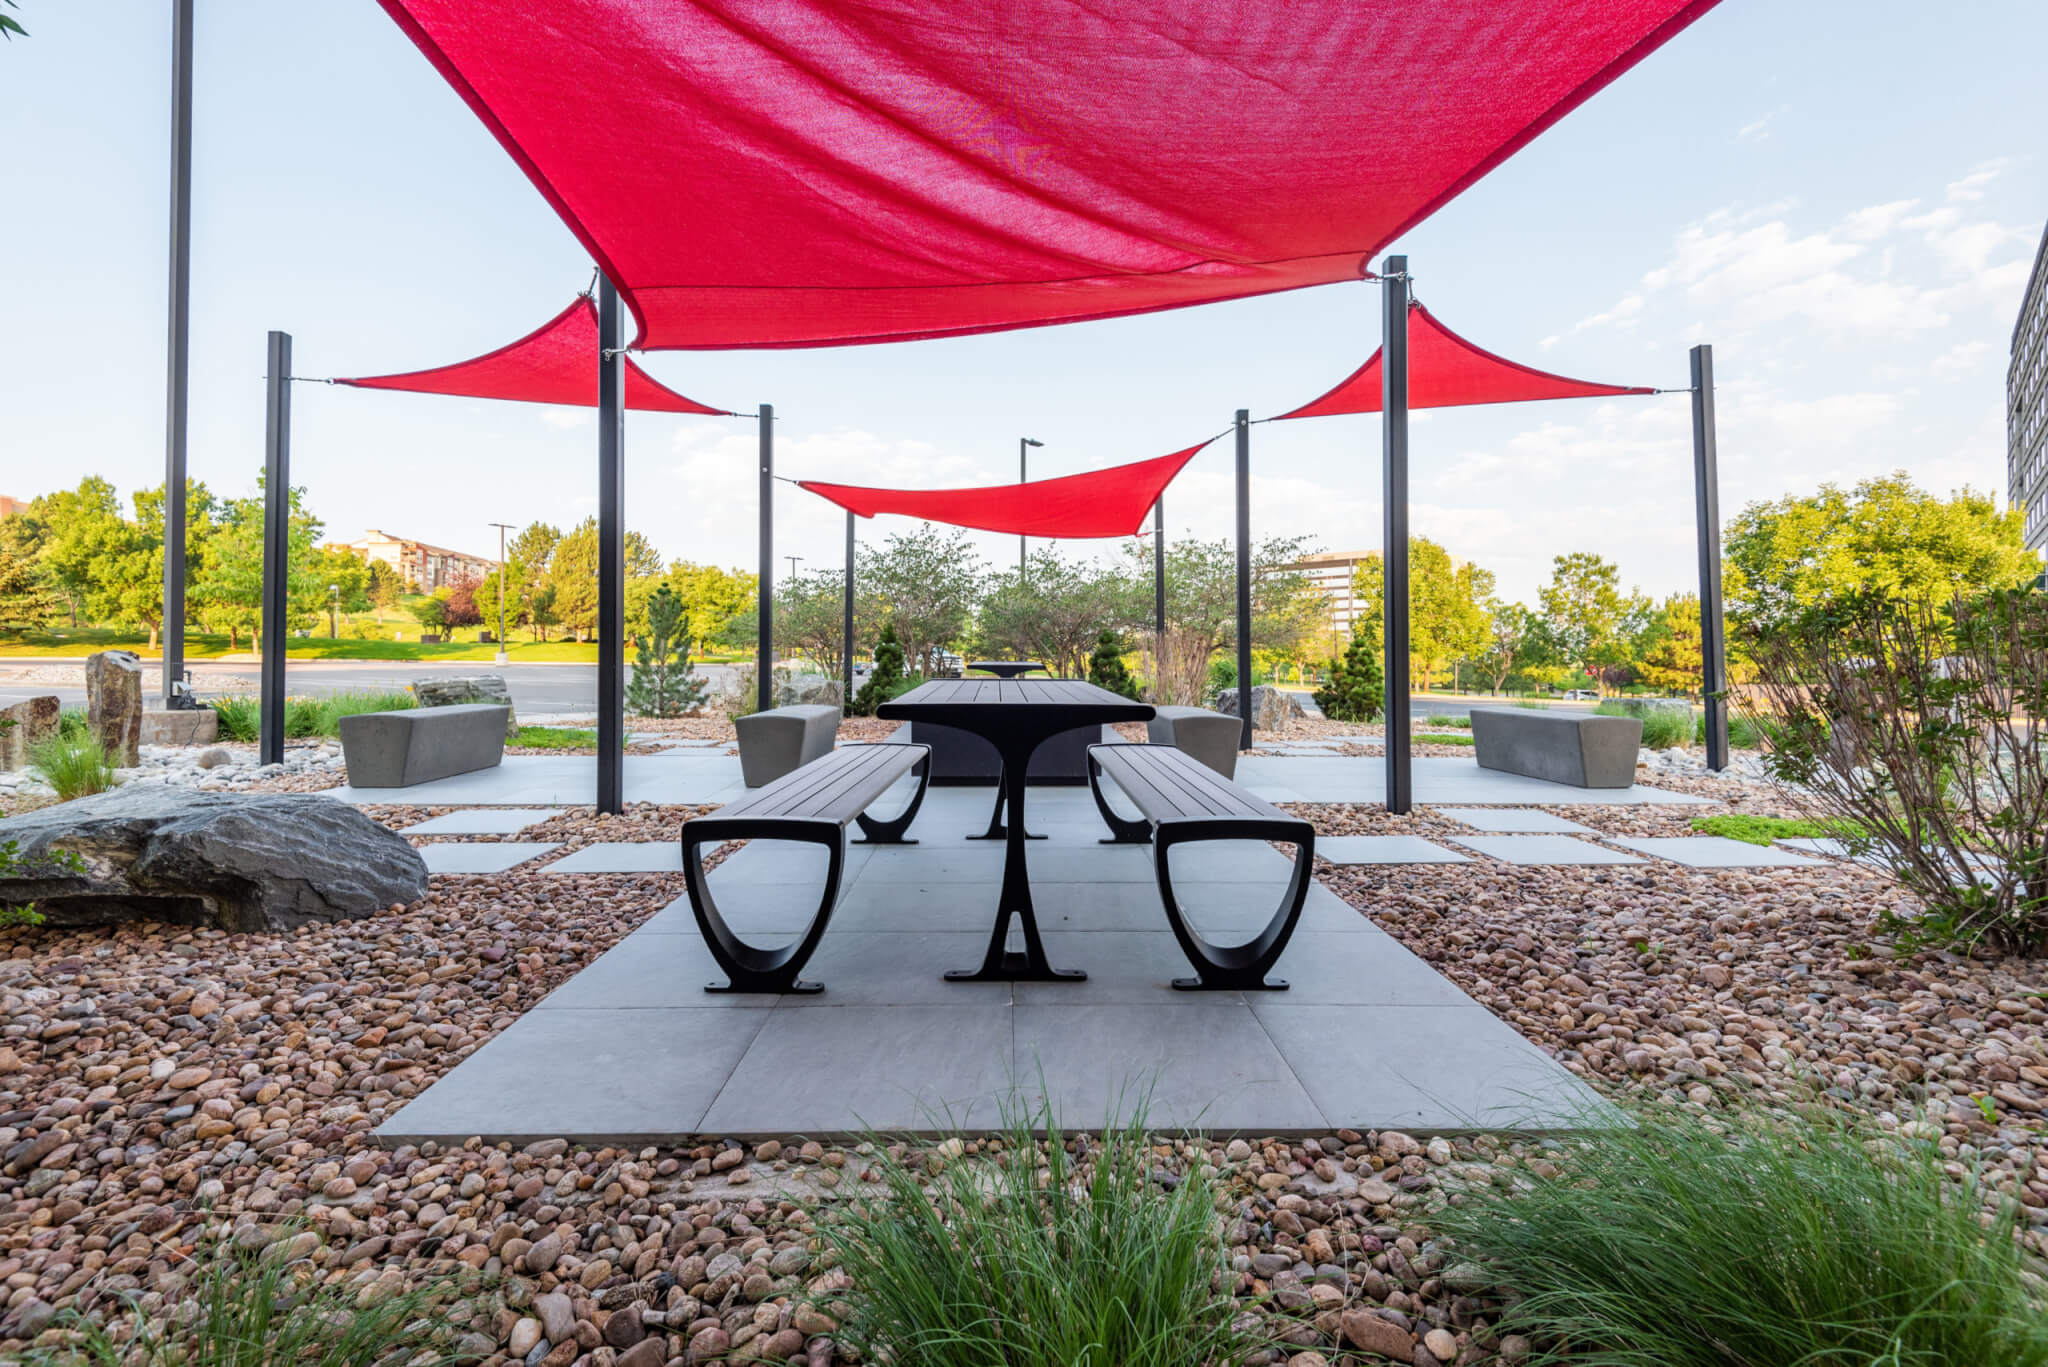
(74, 765)
(1222, 675)
(1743, 732)
(1356, 692)
(1911, 724)
(885, 679)
(238, 717)
(1665, 723)
(1180, 667)
(1025, 1256)
(243, 1307)
(1809, 1239)
(71, 721)
(1106, 667)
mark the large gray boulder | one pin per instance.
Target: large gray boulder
(237, 861)
(807, 690)
(1272, 708)
(113, 703)
(455, 690)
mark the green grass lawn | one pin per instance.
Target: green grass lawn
(79, 642)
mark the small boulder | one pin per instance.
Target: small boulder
(1272, 708)
(26, 723)
(451, 691)
(113, 703)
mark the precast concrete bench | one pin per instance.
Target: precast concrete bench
(783, 739)
(812, 805)
(1577, 748)
(1180, 800)
(420, 744)
(1208, 736)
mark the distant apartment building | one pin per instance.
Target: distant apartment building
(10, 506)
(1333, 573)
(423, 568)
(2026, 405)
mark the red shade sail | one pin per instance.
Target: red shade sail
(1110, 502)
(822, 172)
(555, 363)
(1446, 371)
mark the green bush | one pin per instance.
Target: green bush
(1357, 691)
(1761, 1242)
(1743, 732)
(237, 717)
(1022, 1257)
(1222, 675)
(71, 722)
(75, 765)
(1106, 667)
(244, 1307)
(1665, 723)
(1762, 830)
(885, 680)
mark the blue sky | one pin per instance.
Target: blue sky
(1843, 198)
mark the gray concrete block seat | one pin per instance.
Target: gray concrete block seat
(1207, 736)
(784, 739)
(814, 804)
(1576, 748)
(420, 744)
(1180, 800)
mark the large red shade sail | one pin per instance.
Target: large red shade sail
(555, 363)
(1110, 502)
(1446, 371)
(762, 173)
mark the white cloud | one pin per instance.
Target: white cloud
(1756, 130)
(1962, 357)
(567, 419)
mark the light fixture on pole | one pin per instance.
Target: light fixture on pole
(1022, 443)
(792, 559)
(502, 527)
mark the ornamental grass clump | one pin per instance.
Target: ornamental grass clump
(73, 764)
(1809, 1240)
(1026, 1255)
(1665, 723)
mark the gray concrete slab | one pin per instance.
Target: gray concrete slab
(622, 856)
(1544, 849)
(1514, 821)
(484, 821)
(1385, 849)
(1437, 781)
(1714, 852)
(482, 856)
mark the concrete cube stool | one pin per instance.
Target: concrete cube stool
(784, 739)
(1209, 737)
(1577, 748)
(420, 744)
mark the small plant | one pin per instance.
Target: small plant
(237, 717)
(12, 865)
(1222, 676)
(1744, 733)
(242, 1307)
(71, 721)
(1024, 1255)
(75, 766)
(1762, 830)
(1757, 1242)
(663, 684)
(1106, 667)
(1665, 723)
(884, 679)
(1356, 692)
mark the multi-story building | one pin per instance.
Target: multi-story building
(2026, 405)
(422, 567)
(10, 506)
(1334, 573)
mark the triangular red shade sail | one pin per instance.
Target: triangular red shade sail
(1446, 371)
(819, 173)
(1101, 503)
(555, 363)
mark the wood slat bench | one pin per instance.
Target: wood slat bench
(813, 805)
(1180, 801)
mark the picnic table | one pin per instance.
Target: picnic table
(1008, 669)
(1016, 717)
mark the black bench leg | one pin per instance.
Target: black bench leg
(997, 830)
(890, 832)
(1240, 967)
(751, 968)
(1122, 831)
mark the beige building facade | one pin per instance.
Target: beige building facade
(423, 568)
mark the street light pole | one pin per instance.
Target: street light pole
(792, 559)
(502, 528)
(1022, 443)
(333, 611)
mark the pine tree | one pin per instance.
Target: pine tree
(1356, 692)
(1106, 667)
(885, 678)
(27, 597)
(663, 684)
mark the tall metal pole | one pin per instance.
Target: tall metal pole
(179, 349)
(1159, 564)
(277, 543)
(1394, 542)
(764, 645)
(1707, 500)
(502, 527)
(1244, 577)
(611, 550)
(1022, 478)
(847, 663)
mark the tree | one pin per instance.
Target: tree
(931, 580)
(1672, 658)
(1509, 643)
(1357, 689)
(533, 547)
(663, 684)
(27, 598)
(338, 567)
(885, 680)
(1054, 613)
(1588, 621)
(431, 612)
(83, 526)
(1448, 608)
(1106, 666)
(229, 589)
(463, 608)
(8, 26)
(382, 585)
(711, 596)
(1201, 592)
(1885, 536)
(810, 616)
(572, 571)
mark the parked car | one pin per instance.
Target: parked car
(1582, 695)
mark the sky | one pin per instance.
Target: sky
(1843, 198)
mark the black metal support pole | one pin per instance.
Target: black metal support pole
(179, 350)
(1244, 577)
(1021, 478)
(277, 543)
(764, 646)
(1394, 542)
(1159, 565)
(1707, 499)
(848, 663)
(611, 550)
